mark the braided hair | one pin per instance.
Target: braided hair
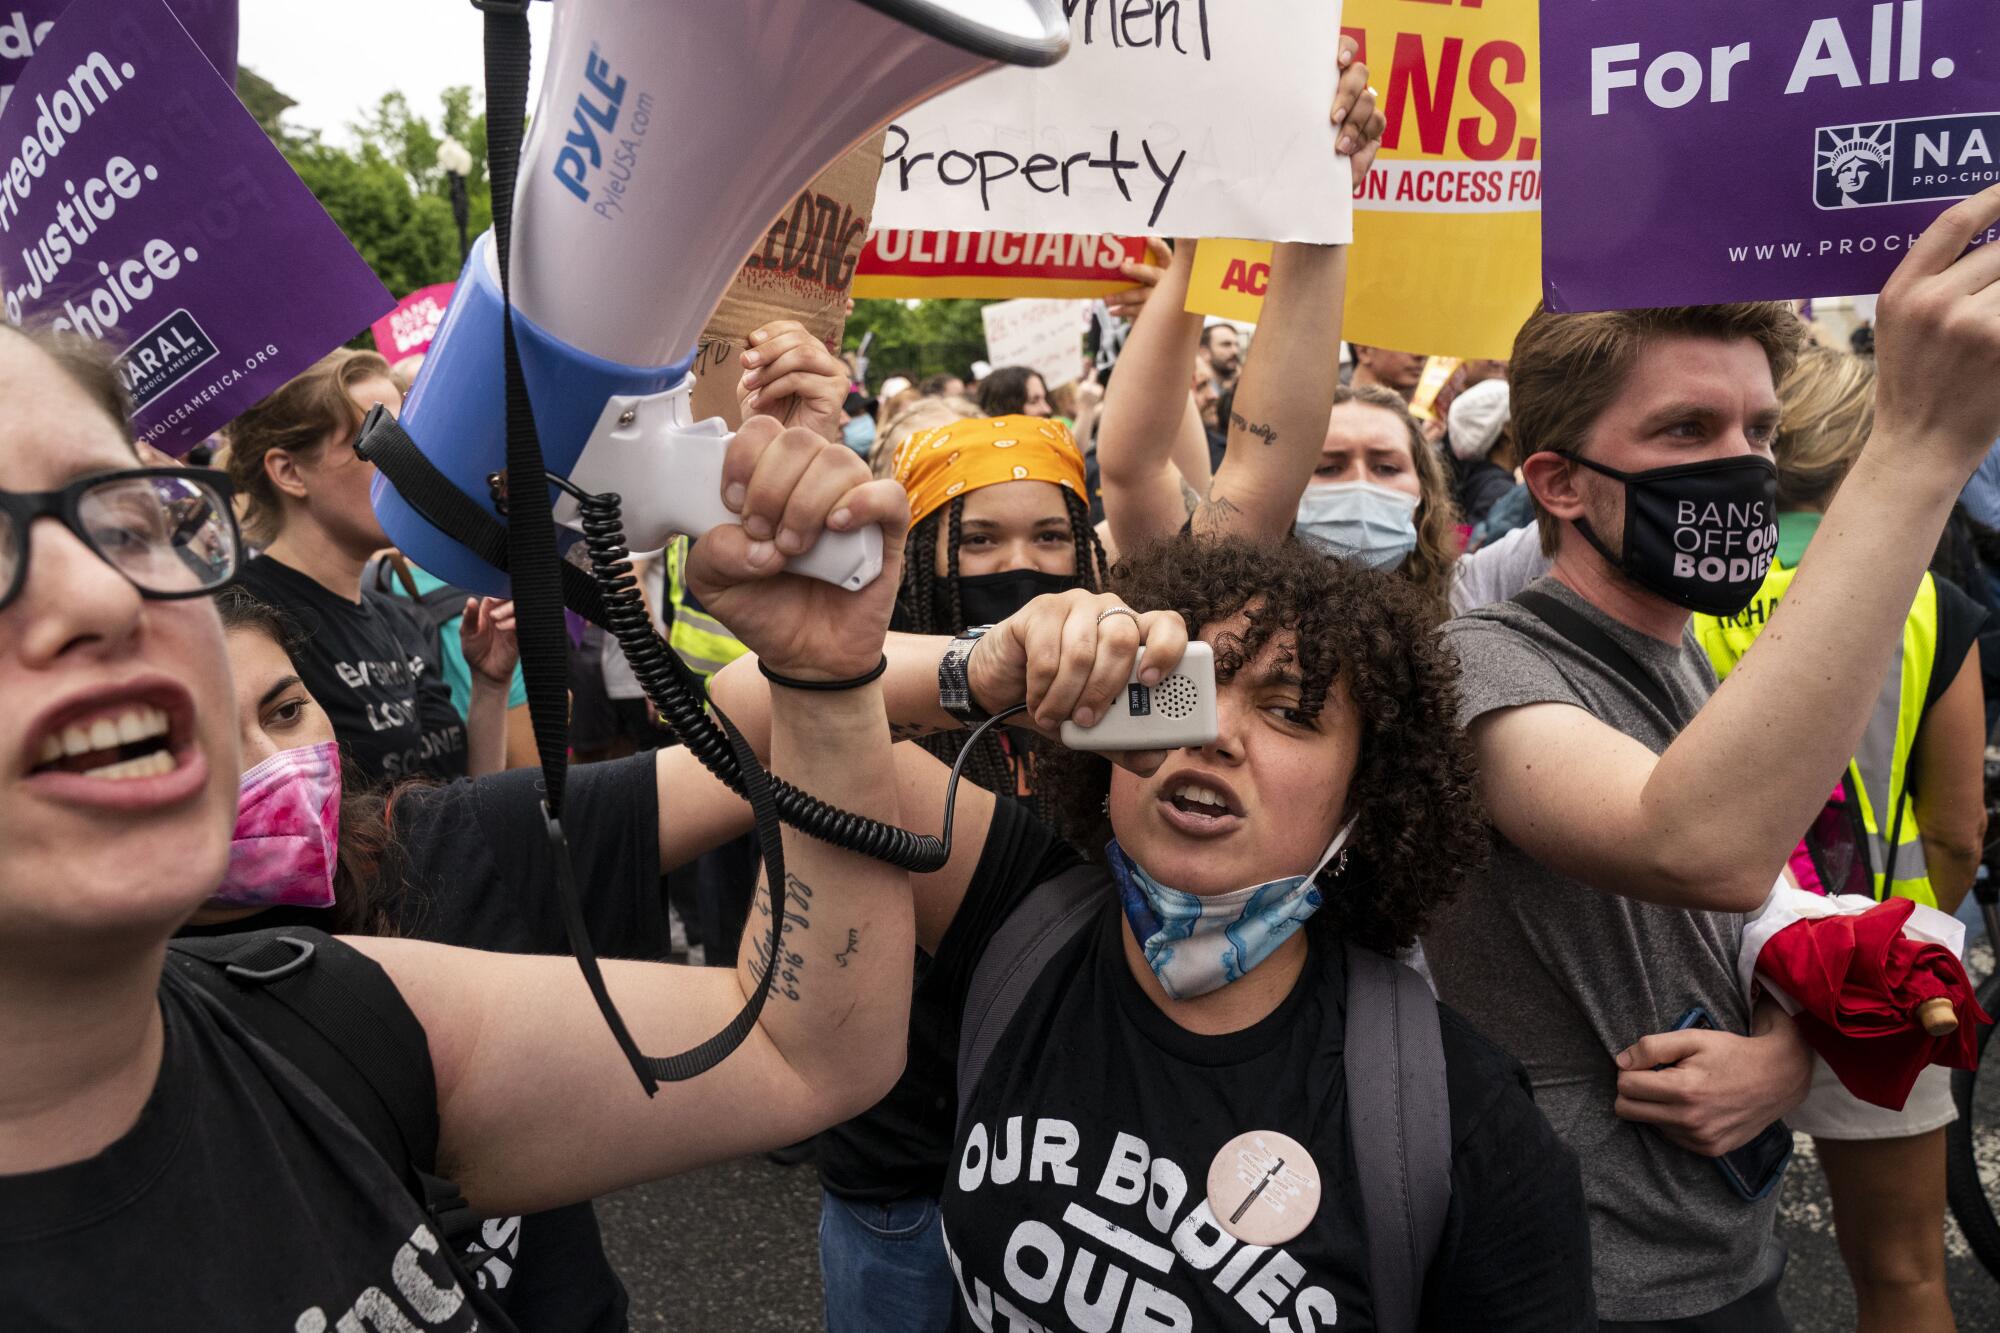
(917, 613)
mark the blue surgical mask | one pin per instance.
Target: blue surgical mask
(1360, 520)
(1197, 943)
(859, 435)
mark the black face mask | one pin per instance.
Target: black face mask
(1701, 535)
(988, 599)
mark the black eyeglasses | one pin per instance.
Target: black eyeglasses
(170, 530)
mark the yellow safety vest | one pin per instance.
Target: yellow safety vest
(702, 641)
(1878, 775)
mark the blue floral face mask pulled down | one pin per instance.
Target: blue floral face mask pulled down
(1195, 943)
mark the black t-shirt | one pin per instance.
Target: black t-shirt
(367, 665)
(1076, 1198)
(477, 873)
(478, 870)
(898, 1148)
(241, 1199)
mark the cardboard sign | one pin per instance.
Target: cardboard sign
(804, 270)
(140, 205)
(1447, 227)
(26, 24)
(1044, 336)
(805, 266)
(1708, 150)
(1167, 118)
(409, 328)
(935, 264)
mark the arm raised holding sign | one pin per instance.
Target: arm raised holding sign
(1148, 414)
(1709, 822)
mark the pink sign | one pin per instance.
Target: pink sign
(409, 328)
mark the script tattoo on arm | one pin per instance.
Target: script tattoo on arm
(785, 977)
(1268, 434)
(853, 947)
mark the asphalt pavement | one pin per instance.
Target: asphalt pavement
(732, 1249)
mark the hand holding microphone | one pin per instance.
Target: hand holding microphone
(1074, 659)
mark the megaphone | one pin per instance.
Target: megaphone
(668, 137)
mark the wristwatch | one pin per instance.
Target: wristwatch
(954, 689)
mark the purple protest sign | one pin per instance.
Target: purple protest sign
(140, 205)
(1708, 150)
(25, 25)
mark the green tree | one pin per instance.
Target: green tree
(919, 337)
(262, 100)
(387, 192)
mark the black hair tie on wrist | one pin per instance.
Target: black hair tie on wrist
(853, 683)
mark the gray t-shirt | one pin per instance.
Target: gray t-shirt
(1565, 976)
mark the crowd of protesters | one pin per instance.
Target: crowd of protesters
(1469, 730)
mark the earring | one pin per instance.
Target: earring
(1104, 807)
(1340, 864)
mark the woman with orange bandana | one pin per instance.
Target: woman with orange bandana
(998, 517)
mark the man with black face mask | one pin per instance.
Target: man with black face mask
(1636, 818)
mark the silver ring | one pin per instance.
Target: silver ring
(1103, 616)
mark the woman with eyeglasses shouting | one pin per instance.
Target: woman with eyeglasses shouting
(165, 1120)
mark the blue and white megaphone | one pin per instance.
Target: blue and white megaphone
(668, 137)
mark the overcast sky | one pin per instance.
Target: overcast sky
(337, 61)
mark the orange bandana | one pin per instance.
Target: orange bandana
(936, 466)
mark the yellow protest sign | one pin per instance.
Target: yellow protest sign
(1448, 226)
(1438, 371)
(1229, 278)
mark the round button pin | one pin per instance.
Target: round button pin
(1263, 1187)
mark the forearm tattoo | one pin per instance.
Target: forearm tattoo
(787, 976)
(1267, 433)
(911, 731)
(1213, 513)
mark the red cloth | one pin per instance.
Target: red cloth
(1858, 981)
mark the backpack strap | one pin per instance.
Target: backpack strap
(436, 608)
(1591, 640)
(1050, 916)
(336, 1016)
(1399, 1121)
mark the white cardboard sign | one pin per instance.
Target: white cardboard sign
(1167, 118)
(1045, 335)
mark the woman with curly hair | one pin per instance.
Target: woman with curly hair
(1205, 997)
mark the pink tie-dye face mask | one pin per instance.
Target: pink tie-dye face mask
(287, 832)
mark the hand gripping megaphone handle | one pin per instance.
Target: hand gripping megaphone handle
(668, 473)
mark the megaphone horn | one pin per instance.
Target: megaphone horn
(668, 137)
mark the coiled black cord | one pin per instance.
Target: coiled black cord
(682, 704)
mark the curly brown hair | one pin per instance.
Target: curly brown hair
(1418, 829)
